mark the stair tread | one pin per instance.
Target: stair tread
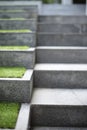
(58, 128)
(61, 67)
(61, 47)
(44, 96)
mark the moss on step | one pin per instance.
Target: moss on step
(12, 72)
(8, 114)
(15, 31)
(14, 47)
(12, 11)
(13, 19)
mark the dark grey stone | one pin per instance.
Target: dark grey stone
(18, 58)
(59, 28)
(63, 19)
(47, 39)
(58, 128)
(30, 24)
(16, 89)
(61, 55)
(28, 39)
(22, 14)
(54, 77)
(58, 115)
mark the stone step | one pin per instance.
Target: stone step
(9, 24)
(62, 28)
(27, 39)
(54, 39)
(37, 5)
(61, 54)
(63, 19)
(59, 108)
(18, 14)
(25, 58)
(60, 76)
(17, 89)
(58, 128)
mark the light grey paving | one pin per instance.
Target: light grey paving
(64, 10)
(59, 96)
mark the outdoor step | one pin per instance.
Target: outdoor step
(35, 5)
(58, 128)
(59, 108)
(18, 14)
(27, 39)
(61, 54)
(62, 28)
(17, 89)
(55, 9)
(60, 76)
(54, 39)
(63, 19)
(25, 58)
(9, 24)
(59, 28)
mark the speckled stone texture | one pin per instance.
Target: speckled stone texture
(18, 58)
(17, 89)
(28, 39)
(18, 24)
(52, 39)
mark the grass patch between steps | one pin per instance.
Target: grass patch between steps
(12, 19)
(12, 72)
(15, 31)
(8, 114)
(14, 47)
(11, 11)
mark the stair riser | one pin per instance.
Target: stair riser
(63, 28)
(64, 19)
(16, 90)
(17, 58)
(28, 39)
(21, 6)
(53, 115)
(18, 15)
(18, 24)
(61, 56)
(61, 39)
(60, 79)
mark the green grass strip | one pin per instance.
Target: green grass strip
(15, 31)
(11, 11)
(8, 114)
(13, 19)
(12, 72)
(14, 47)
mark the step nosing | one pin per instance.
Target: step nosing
(60, 67)
(62, 47)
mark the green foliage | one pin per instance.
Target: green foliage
(8, 114)
(15, 31)
(11, 11)
(12, 72)
(51, 1)
(14, 47)
(12, 19)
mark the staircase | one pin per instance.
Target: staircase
(54, 87)
(60, 74)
